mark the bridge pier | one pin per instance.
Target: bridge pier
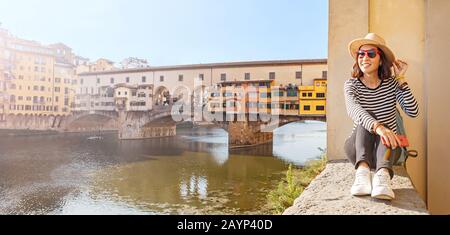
(246, 134)
(130, 133)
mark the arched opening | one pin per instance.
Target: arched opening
(161, 97)
(91, 123)
(181, 94)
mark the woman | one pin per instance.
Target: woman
(371, 95)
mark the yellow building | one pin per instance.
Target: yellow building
(102, 65)
(31, 89)
(37, 79)
(313, 98)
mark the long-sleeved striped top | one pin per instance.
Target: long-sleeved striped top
(360, 99)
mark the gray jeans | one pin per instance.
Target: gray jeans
(364, 146)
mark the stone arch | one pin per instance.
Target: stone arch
(25, 120)
(161, 96)
(40, 121)
(181, 92)
(15, 120)
(97, 121)
(50, 120)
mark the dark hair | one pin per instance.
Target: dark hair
(384, 71)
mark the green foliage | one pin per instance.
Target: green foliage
(293, 185)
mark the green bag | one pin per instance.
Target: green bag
(401, 155)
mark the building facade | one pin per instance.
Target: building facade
(35, 79)
(217, 85)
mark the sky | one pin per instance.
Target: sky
(171, 32)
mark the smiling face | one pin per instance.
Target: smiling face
(365, 62)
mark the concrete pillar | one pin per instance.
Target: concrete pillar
(348, 20)
(437, 59)
(244, 134)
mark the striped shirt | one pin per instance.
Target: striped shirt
(359, 100)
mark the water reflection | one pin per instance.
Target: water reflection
(192, 173)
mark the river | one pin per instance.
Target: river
(192, 173)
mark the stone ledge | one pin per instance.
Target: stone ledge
(329, 194)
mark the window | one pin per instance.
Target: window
(309, 94)
(66, 90)
(144, 79)
(56, 98)
(81, 81)
(278, 93)
(252, 95)
(265, 95)
(127, 79)
(35, 88)
(320, 95)
(303, 94)
(307, 108)
(180, 77)
(324, 74)
(98, 80)
(223, 77)
(111, 80)
(57, 89)
(201, 77)
(247, 76)
(161, 78)
(272, 75)
(298, 75)
(227, 94)
(292, 93)
(42, 88)
(133, 93)
(320, 108)
(264, 84)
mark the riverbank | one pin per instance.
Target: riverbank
(293, 185)
(8, 132)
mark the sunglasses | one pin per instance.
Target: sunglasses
(372, 53)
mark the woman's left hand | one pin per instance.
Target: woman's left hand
(400, 68)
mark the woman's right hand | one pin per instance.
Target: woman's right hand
(388, 137)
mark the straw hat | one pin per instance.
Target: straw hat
(372, 39)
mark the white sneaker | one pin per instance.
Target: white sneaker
(382, 186)
(362, 185)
